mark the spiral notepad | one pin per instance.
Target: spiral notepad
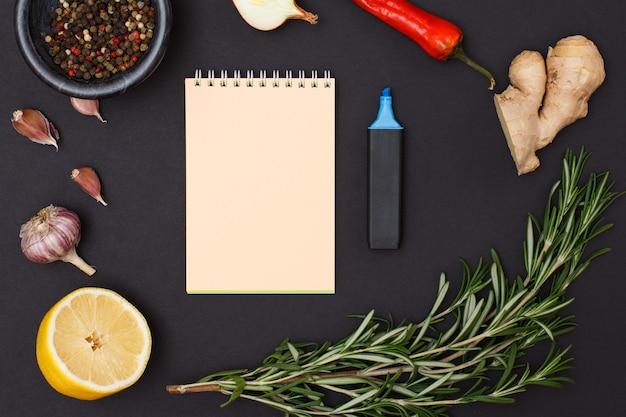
(260, 182)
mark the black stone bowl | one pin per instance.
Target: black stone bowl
(31, 27)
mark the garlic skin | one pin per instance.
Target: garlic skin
(88, 180)
(87, 107)
(35, 126)
(267, 15)
(52, 235)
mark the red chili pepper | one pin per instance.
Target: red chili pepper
(441, 39)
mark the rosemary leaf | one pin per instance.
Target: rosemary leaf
(407, 369)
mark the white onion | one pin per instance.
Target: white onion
(269, 14)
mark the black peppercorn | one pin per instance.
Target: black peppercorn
(97, 38)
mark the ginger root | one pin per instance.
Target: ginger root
(572, 71)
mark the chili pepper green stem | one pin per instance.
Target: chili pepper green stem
(458, 53)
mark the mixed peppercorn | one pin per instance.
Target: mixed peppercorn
(99, 38)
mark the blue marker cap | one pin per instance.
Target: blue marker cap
(385, 177)
(385, 118)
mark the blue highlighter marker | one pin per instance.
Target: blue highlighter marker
(385, 179)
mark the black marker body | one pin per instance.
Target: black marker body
(385, 166)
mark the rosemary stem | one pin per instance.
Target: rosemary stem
(472, 362)
(195, 387)
(213, 387)
(459, 353)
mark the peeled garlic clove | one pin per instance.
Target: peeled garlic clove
(34, 125)
(87, 107)
(88, 180)
(269, 14)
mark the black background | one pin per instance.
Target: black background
(462, 198)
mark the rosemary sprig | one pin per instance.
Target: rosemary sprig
(469, 351)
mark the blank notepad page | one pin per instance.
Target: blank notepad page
(260, 185)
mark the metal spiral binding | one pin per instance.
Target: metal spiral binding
(288, 78)
(301, 77)
(223, 78)
(262, 78)
(276, 78)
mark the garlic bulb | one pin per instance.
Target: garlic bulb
(34, 125)
(52, 235)
(88, 180)
(87, 107)
(269, 14)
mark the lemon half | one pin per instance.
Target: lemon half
(93, 343)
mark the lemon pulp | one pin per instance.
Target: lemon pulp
(93, 343)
